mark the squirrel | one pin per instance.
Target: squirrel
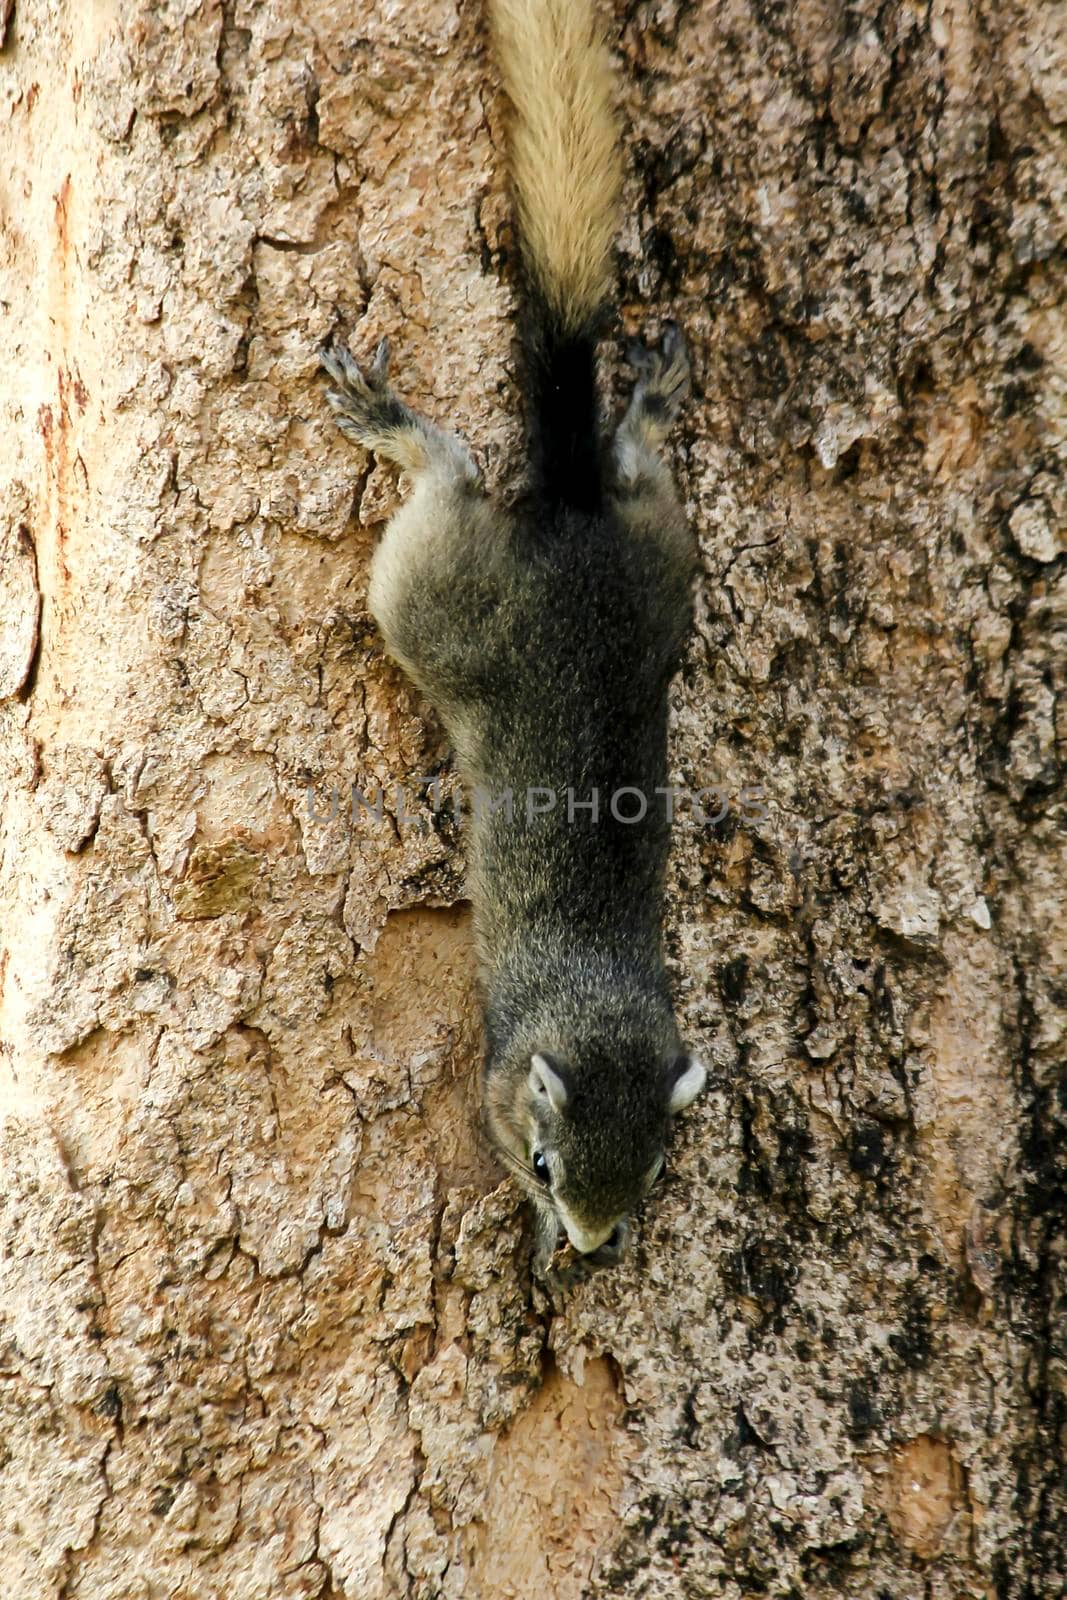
(546, 638)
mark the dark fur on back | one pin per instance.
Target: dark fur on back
(577, 701)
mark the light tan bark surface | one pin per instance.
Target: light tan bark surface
(266, 1320)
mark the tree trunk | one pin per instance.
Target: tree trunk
(267, 1327)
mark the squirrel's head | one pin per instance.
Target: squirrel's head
(585, 1136)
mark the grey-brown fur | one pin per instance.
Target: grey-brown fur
(546, 638)
(547, 643)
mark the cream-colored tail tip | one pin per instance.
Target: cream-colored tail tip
(562, 147)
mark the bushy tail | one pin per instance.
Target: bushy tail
(565, 173)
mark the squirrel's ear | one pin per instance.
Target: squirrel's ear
(685, 1078)
(547, 1078)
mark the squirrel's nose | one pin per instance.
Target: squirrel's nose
(606, 1254)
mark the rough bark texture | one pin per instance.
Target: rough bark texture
(266, 1321)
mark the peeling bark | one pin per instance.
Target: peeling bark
(266, 1319)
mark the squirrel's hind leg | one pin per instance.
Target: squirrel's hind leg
(643, 492)
(436, 574)
(661, 390)
(369, 413)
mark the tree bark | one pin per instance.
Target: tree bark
(267, 1327)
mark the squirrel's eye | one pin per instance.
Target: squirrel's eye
(540, 1168)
